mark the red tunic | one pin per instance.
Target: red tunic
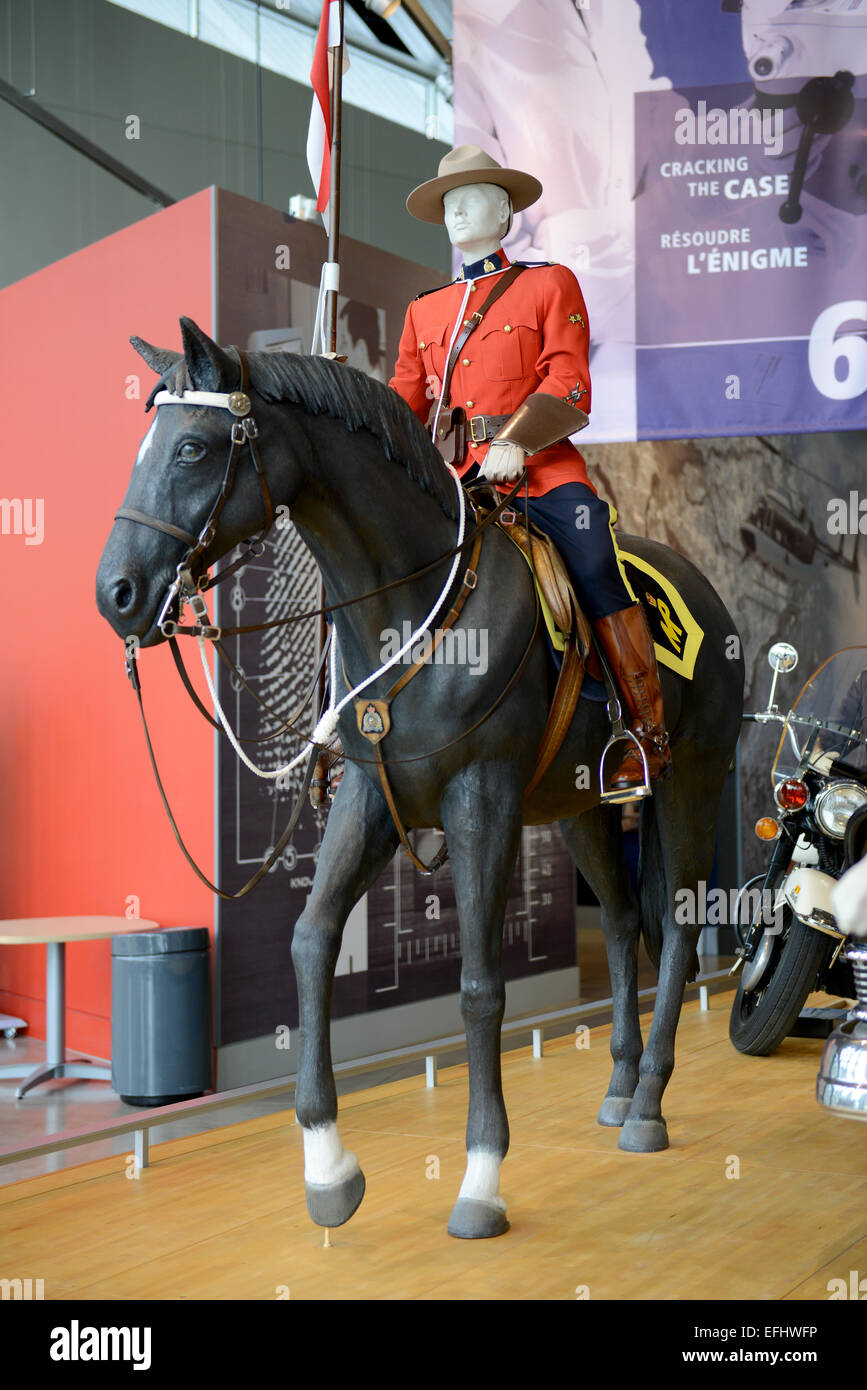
(534, 339)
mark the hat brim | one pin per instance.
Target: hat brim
(426, 202)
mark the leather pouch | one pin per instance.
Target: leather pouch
(451, 435)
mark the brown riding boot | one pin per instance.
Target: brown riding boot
(627, 643)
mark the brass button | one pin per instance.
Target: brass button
(470, 404)
(508, 328)
(421, 345)
(472, 289)
(465, 362)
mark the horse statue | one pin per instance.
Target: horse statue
(374, 502)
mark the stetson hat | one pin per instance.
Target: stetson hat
(469, 164)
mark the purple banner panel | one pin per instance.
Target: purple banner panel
(751, 303)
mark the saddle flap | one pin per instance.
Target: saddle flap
(554, 583)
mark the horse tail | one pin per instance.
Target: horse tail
(651, 882)
(653, 888)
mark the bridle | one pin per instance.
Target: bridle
(185, 588)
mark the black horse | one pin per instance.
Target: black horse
(373, 501)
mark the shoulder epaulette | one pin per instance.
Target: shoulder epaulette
(435, 288)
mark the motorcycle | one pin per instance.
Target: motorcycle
(789, 941)
(841, 1085)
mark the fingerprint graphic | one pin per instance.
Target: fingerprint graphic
(278, 665)
(287, 656)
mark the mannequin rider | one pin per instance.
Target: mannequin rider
(523, 381)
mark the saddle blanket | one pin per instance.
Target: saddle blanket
(677, 636)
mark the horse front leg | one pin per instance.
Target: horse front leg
(481, 817)
(359, 841)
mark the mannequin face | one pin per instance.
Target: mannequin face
(476, 218)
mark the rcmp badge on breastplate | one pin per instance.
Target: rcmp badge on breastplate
(373, 719)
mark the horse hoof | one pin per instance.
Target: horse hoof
(332, 1204)
(473, 1220)
(643, 1136)
(614, 1110)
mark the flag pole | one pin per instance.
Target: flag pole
(333, 273)
(334, 204)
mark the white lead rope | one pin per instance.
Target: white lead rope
(327, 727)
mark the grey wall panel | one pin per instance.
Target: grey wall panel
(96, 65)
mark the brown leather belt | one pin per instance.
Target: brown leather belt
(480, 428)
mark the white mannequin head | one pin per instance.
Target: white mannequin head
(477, 217)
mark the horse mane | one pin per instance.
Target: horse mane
(325, 387)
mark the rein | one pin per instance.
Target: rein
(187, 589)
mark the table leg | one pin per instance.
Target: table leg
(55, 1003)
(55, 1064)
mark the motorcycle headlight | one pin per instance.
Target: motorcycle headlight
(836, 804)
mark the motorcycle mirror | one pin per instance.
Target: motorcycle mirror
(781, 658)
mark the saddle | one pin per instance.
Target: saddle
(568, 628)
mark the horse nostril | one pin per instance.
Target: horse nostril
(124, 595)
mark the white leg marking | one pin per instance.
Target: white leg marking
(325, 1159)
(482, 1178)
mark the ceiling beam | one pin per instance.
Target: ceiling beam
(424, 22)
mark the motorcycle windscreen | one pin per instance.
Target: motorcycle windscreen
(828, 721)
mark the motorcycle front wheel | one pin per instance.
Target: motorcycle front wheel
(763, 1017)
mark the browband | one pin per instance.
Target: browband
(218, 398)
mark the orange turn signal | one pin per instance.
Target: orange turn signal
(767, 828)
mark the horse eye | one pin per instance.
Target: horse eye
(190, 452)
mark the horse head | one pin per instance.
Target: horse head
(198, 486)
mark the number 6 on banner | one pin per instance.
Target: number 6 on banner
(826, 350)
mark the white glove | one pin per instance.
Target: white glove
(504, 463)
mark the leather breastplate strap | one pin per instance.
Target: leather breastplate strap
(375, 714)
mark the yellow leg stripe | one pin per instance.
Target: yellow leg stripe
(612, 518)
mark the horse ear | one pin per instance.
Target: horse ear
(209, 367)
(159, 360)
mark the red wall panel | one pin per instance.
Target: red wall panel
(81, 824)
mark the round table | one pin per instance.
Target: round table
(53, 933)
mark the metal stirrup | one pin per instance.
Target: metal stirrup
(619, 734)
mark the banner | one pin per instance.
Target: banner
(704, 165)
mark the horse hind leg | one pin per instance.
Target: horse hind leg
(685, 821)
(359, 841)
(595, 842)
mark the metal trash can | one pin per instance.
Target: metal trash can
(161, 1015)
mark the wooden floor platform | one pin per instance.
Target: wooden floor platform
(222, 1215)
